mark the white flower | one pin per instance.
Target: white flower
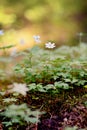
(19, 88)
(50, 45)
(37, 39)
(1, 32)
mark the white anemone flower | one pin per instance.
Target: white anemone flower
(50, 45)
(1, 32)
(37, 38)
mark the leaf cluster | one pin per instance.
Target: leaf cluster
(63, 68)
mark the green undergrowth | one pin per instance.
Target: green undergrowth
(49, 79)
(60, 69)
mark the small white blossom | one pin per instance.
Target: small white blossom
(50, 45)
(37, 39)
(1, 32)
(19, 88)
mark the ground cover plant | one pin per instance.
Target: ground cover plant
(47, 90)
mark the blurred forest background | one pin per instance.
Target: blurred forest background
(54, 20)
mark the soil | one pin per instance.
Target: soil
(60, 112)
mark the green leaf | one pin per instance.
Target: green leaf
(7, 47)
